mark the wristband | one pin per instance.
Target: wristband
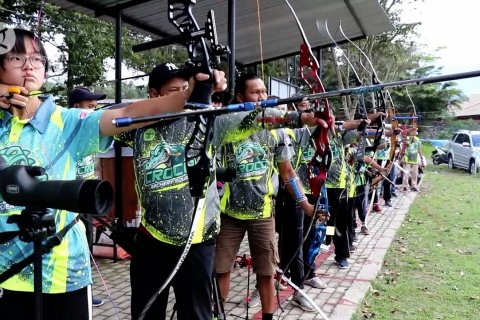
(299, 196)
(298, 201)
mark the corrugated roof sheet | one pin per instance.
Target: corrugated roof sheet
(470, 107)
(280, 35)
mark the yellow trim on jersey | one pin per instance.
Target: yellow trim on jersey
(56, 118)
(17, 127)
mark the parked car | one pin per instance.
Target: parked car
(464, 151)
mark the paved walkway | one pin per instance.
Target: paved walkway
(346, 288)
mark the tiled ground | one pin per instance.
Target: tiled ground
(346, 288)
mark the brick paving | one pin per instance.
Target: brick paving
(346, 288)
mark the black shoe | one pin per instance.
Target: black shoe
(388, 203)
(414, 189)
(394, 194)
(342, 263)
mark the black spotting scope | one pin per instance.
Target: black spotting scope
(20, 187)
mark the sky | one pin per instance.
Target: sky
(453, 25)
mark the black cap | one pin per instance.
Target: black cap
(81, 93)
(165, 72)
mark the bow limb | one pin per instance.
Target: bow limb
(361, 111)
(318, 166)
(309, 68)
(380, 101)
(414, 118)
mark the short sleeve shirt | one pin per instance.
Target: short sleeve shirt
(249, 195)
(56, 139)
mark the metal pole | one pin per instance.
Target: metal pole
(231, 44)
(118, 99)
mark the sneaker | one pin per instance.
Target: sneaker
(394, 194)
(96, 302)
(364, 230)
(316, 283)
(254, 299)
(405, 189)
(353, 249)
(414, 189)
(342, 263)
(302, 302)
(388, 203)
(376, 207)
(324, 248)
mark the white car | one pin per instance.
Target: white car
(464, 151)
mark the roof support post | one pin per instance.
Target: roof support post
(118, 99)
(231, 45)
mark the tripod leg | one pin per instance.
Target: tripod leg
(218, 310)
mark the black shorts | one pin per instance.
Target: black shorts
(74, 305)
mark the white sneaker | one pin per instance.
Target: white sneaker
(324, 248)
(254, 299)
(316, 283)
(302, 302)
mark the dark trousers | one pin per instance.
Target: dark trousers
(340, 218)
(16, 305)
(387, 186)
(361, 202)
(152, 263)
(353, 221)
(309, 266)
(289, 221)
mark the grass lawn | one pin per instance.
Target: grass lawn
(432, 269)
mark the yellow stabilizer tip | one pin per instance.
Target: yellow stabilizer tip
(14, 90)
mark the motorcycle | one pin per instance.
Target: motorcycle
(439, 156)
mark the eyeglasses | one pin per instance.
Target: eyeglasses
(18, 61)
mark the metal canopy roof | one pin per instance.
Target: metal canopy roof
(280, 35)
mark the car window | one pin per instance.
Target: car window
(459, 138)
(453, 138)
(476, 140)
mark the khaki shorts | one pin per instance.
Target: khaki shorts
(261, 239)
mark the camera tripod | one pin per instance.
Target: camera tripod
(35, 225)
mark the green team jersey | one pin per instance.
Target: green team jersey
(249, 195)
(413, 146)
(337, 174)
(162, 183)
(304, 151)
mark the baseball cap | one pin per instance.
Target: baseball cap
(81, 93)
(165, 72)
